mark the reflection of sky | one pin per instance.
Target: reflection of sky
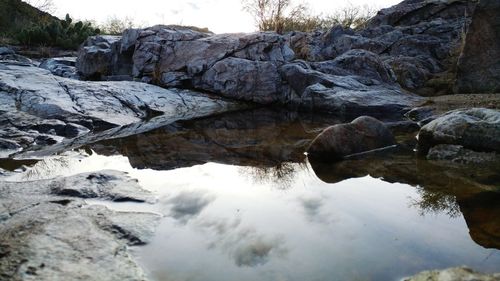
(221, 225)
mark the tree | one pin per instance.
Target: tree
(115, 25)
(43, 5)
(268, 14)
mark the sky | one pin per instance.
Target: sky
(220, 16)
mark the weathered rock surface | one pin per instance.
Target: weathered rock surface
(476, 129)
(361, 135)
(453, 274)
(64, 67)
(248, 67)
(479, 65)
(420, 40)
(47, 234)
(39, 109)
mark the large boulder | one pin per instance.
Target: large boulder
(476, 129)
(63, 66)
(95, 58)
(479, 64)
(361, 135)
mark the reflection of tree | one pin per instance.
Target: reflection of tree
(435, 202)
(281, 175)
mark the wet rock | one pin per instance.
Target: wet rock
(45, 236)
(476, 129)
(453, 274)
(361, 135)
(419, 114)
(479, 66)
(64, 67)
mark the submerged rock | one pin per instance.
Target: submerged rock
(477, 129)
(49, 235)
(458, 154)
(453, 274)
(361, 135)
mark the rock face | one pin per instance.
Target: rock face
(476, 129)
(361, 135)
(453, 274)
(479, 66)
(38, 109)
(47, 232)
(419, 39)
(255, 67)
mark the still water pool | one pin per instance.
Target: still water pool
(242, 202)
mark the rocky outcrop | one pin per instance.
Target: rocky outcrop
(420, 40)
(361, 135)
(476, 129)
(249, 67)
(479, 66)
(453, 274)
(39, 110)
(47, 232)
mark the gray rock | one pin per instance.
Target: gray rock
(45, 236)
(242, 79)
(477, 129)
(38, 109)
(64, 67)
(6, 51)
(361, 135)
(479, 66)
(358, 62)
(95, 57)
(344, 95)
(453, 274)
(458, 154)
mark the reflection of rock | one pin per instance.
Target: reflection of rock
(481, 212)
(49, 233)
(260, 138)
(361, 135)
(453, 274)
(443, 186)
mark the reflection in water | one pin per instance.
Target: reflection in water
(228, 221)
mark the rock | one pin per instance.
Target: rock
(243, 79)
(343, 95)
(6, 51)
(458, 154)
(39, 110)
(95, 58)
(358, 62)
(361, 135)
(419, 114)
(45, 236)
(476, 129)
(453, 274)
(479, 66)
(64, 67)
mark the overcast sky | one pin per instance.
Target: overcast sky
(220, 16)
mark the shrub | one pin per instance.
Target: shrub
(64, 34)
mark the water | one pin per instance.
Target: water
(240, 201)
